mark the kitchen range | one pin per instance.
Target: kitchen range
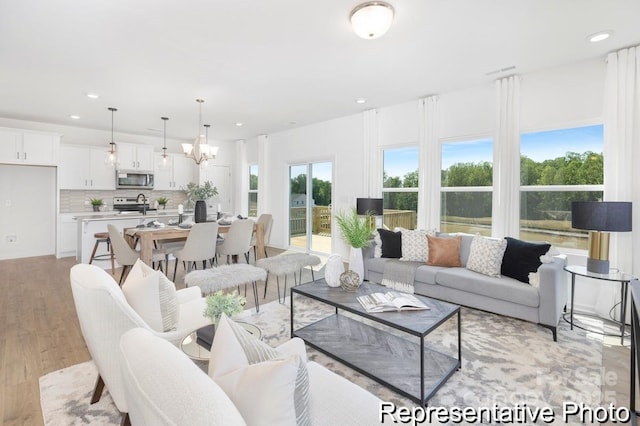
(139, 204)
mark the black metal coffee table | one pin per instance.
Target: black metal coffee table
(379, 345)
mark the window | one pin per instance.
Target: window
(400, 187)
(466, 186)
(253, 190)
(556, 168)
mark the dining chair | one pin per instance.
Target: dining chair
(125, 255)
(266, 220)
(238, 240)
(200, 246)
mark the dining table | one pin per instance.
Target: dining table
(147, 237)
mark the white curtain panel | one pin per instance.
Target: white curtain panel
(622, 161)
(430, 164)
(263, 175)
(506, 159)
(373, 164)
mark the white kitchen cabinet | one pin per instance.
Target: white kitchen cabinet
(85, 168)
(29, 147)
(175, 174)
(67, 241)
(132, 156)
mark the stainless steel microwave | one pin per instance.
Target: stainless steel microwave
(133, 180)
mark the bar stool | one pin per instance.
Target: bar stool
(103, 237)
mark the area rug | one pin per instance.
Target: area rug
(504, 362)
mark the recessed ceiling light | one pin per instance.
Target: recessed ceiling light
(74, 117)
(361, 101)
(599, 36)
(93, 95)
(239, 124)
(292, 123)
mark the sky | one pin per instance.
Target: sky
(538, 146)
(321, 171)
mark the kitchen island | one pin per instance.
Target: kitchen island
(89, 224)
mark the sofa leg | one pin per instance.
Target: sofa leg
(554, 330)
(126, 421)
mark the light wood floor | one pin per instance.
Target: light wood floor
(40, 334)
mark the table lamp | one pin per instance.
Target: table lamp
(372, 206)
(600, 218)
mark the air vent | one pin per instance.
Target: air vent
(498, 71)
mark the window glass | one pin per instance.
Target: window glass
(400, 187)
(556, 168)
(467, 186)
(253, 190)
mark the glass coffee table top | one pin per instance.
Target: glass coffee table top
(194, 351)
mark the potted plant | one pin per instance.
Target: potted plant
(198, 194)
(96, 203)
(357, 232)
(163, 202)
(227, 303)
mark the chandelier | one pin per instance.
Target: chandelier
(371, 19)
(200, 150)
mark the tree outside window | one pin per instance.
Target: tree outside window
(400, 187)
(466, 186)
(556, 168)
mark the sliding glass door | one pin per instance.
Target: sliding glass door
(310, 206)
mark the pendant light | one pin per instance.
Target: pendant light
(112, 157)
(164, 161)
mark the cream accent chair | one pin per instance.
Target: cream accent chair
(104, 315)
(238, 240)
(125, 255)
(200, 246)
(266, 220)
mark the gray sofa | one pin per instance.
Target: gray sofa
(543, 305)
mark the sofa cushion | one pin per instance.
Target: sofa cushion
(391, 243)
(486, 255)
(153, 296)
(414, 245)
(444, 251)
(503, 288)
(233, 347)
(427, 274)
(521, 258)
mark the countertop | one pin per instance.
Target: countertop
(90, 216)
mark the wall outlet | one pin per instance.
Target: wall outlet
(12, 238)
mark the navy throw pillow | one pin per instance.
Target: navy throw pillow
(391, 243)
(521, 258)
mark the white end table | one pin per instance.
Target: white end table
(619, 277)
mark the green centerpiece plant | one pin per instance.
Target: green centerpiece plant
(227, 303)
(197, 192)
(163, 202)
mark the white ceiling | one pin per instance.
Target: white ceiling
(272, 63)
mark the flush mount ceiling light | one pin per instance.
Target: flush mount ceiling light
(371, 19)
(199, 150)
(599, 36)
(111, 158)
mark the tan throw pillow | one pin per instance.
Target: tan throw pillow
(444, 251)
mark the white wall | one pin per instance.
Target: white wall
(27, 211)
(338, 140)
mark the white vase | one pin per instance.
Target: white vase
(356, 264)
(333, 269)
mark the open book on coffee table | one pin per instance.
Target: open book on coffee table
(391, 301)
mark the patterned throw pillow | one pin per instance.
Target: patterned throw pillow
(486, 255)
(377, 250)
(414, 245)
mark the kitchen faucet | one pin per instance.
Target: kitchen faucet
(144, 203)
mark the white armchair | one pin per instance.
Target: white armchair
(105, 315)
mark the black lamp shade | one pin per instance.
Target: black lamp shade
(610, 216)
(369, 205)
